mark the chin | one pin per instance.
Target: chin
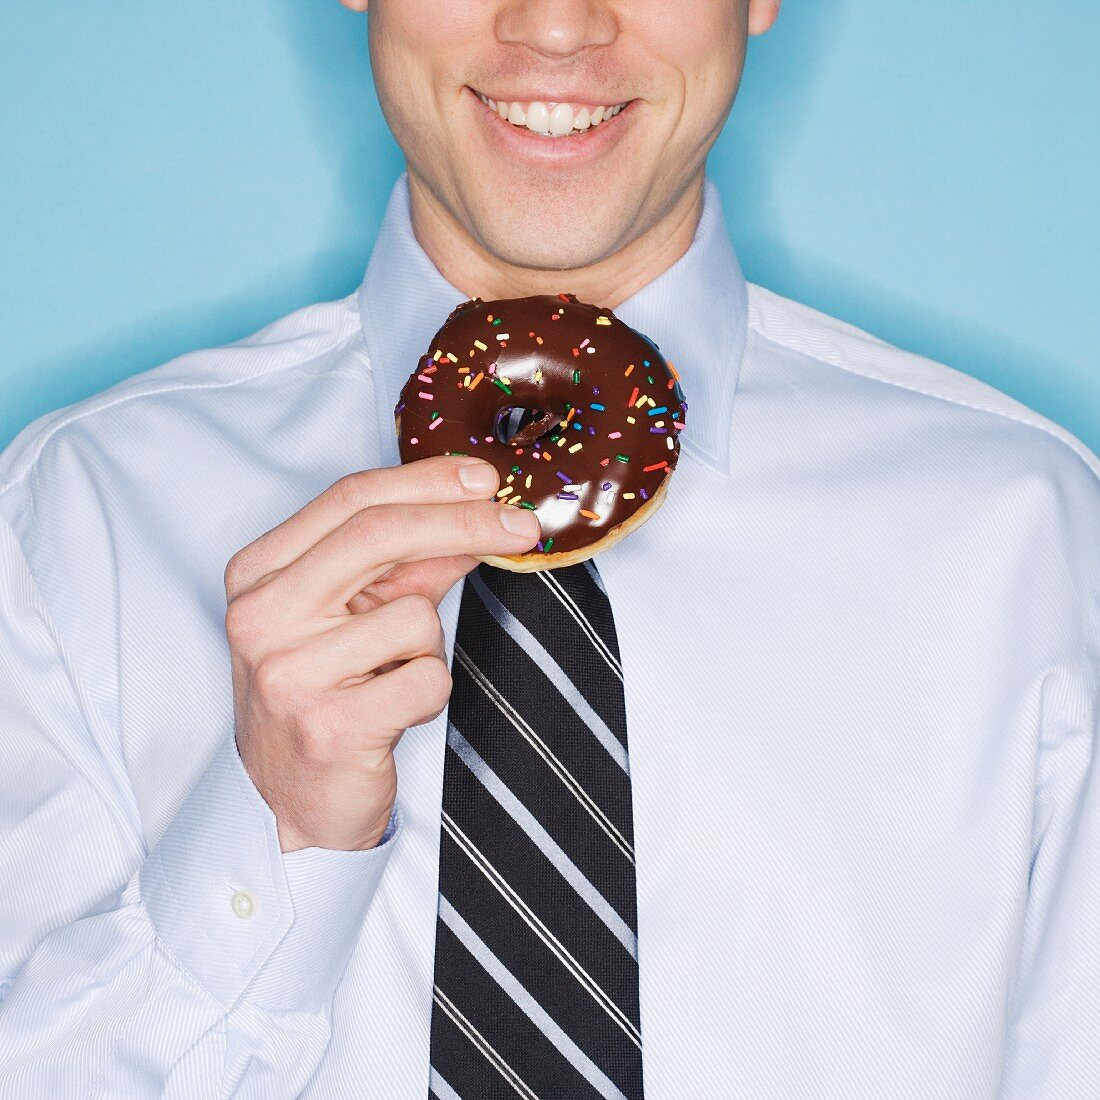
(552, 244)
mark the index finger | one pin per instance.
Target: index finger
(372, 542)
(441, 479)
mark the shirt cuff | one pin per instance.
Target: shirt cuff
(242, 917)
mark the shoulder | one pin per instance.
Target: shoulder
(967, 457)
(824, 344)
(309, 339)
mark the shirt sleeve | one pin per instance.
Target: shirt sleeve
(203, 968)
(1053, 1040)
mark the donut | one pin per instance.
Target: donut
(580, 414)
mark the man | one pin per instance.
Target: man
(856, 648)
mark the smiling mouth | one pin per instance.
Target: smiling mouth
(550, 119)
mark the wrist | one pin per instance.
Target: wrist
(344, 806)
(293, 839)
(331, 827)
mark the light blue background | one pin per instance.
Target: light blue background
(175, 175)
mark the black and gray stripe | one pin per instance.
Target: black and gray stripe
(536, 946)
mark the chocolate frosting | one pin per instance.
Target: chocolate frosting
(605, 410)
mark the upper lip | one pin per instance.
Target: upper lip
(558, 95)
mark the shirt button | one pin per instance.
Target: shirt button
(243, 904)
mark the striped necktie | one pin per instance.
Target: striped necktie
(536, 963)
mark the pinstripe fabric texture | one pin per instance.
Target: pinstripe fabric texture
(535, 990)
(862, 713)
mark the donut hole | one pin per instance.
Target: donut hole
(523, 426)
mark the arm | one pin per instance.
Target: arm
(1053, 1040)
(206, 967)
(128, 973)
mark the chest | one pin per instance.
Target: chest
(830, 841)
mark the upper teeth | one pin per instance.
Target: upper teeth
(553, 119)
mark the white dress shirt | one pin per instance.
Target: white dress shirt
(862, 726)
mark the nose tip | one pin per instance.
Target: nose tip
(557, 28)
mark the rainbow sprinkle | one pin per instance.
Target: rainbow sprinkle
(476, 347)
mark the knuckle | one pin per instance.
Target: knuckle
(236, 571)
(275, 677)
(434, 681)
(320, 729)
(354, 491)
(368, 524)
(439, 474)
(421, 617)
(242, 622)
(473, 520)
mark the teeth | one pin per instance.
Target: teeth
(561, 119)
(551, 119)
(538, 118)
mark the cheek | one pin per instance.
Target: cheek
(709, 88)
(403, 79)
(417, 49)
(703, 42)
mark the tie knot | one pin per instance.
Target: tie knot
(572, 577)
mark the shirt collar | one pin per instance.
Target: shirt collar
(695, 311)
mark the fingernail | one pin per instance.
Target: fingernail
(478, 477)
(520, 521)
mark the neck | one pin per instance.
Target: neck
(609, 282)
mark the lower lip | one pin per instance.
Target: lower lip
(580, 145)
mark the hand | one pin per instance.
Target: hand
(336, 642)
